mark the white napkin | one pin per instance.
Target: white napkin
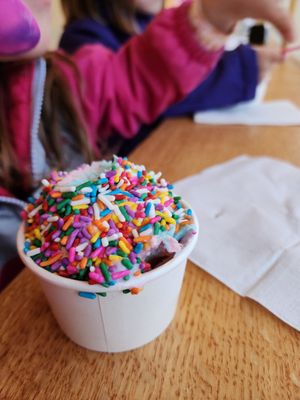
(277, 112)
(249, 215)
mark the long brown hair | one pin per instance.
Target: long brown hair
(118, 13)
(59, 110)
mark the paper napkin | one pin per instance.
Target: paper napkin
(249, 216)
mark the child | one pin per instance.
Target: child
(112, 23)
(55, 112)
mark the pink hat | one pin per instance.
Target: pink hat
(19, 31)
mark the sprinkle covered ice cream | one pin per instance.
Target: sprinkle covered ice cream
(105, 222)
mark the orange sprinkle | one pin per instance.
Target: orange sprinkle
(64, 240)
(51, 260)
(55, 195)
(67, 224)
(100, 204)
(91, 229)
(83, 262)
(137, 273)
(136, 290)
(142, 239)
(78, 197)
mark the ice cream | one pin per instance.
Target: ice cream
(105, 222)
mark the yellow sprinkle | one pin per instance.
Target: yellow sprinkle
(37, 233)
(114, 258)
(115, 219)
(124, 247)
(95, 237)
(80, 207)
(136, 222)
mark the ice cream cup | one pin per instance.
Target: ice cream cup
(117, 322)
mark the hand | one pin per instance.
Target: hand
(224, 14)
(267, 57)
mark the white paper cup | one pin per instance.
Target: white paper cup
(117, 322)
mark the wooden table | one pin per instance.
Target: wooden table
(219, 346)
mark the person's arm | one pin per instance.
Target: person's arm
(135, 85)
(234, 80)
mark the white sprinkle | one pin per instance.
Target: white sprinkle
(64, 189)
(106, 201)
(147, 232)
(102, 189)
(33, 252)
(120, 183)
(179, 211)
(115, 236)
(135, 233)
(119, 214)
(86, 190)
(104, 242)
(92, 269)
(53, 219)
(82, 246)
(45, 229)
(80, 202)
(105, 224)
(80, 253)
(57, 240)
(45, 182)
(35, 211)
(96, 211)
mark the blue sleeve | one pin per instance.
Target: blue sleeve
(232, 81)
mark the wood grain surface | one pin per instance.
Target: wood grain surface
(219, 346)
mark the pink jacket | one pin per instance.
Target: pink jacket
(121, 91)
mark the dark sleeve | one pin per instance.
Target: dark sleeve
(233, 80)
(87, 31)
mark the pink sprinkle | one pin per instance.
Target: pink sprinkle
(72, 252)
(120, 274)
(96, 277)
(168, 202)
(71, 269)
(155, 219)
(98, 252)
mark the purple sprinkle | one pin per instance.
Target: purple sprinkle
(90, 211)
(71, 239)
(86, 233)
(132, 258)
(112, 224)
(56, 234)
(78, 257)
(129, 211)
(77, 225)
(60, 223)
(111, 250)
(88, 250)
(48, 253)
(55, 266)
(112, 231)
(65, 261)
(110, 174)
(85, 219)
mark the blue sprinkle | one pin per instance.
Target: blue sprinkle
(97, 244)
(105, 212)
(148, 208)
(170, 187)
(145, 227)
(87, 295)
(139, 174)
(103, 180)
(189, 212)
(112, 283)
(138, 248)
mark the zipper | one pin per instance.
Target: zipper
(37, 150)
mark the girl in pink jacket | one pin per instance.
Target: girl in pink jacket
(56, 111)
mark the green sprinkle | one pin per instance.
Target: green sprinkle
(121, 253)
(156, 228)
(62, 204)
(69, 195)
(36, 257)
(102, 294)
(68, 210)
(127, 263)
(88, 183)
(82, 273)
(126, 291)
(124, 212)
(37, 242)
(51, 202)
(126, 278)
(105, 272)
(143, 196)
(89, 263)
(77, 212)
(162, 228)
(69, 231)
(106, 285)
(113, 243)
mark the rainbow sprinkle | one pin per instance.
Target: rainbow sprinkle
(102, 222)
